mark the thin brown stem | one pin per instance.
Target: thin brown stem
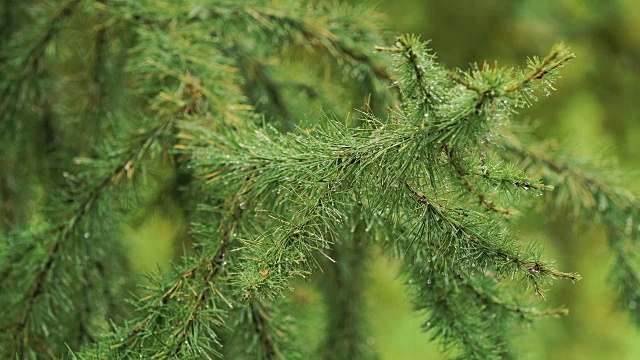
(463, 176)
(529, 269)
(65, 231)
(547, 65)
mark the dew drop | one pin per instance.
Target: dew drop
(86, 235)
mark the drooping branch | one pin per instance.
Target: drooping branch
(556, 59)
(589, 196)
(510, 260)
(31, 59)
(65, 231)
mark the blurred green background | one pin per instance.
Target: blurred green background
(595, 112)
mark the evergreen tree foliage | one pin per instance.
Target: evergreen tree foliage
(295, 142)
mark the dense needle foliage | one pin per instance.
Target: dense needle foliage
(294, 141)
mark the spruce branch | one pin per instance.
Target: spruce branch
(30, 61)
(260, 329)
(194, 290)
(98, 76)
(261, 320)
(509, 259)
(435, 182)
(286, 29)
(257, 77)
(142, 336)
(586, 189)
(526, 313)
(458, 304)
(343, 286)
(625, 273)
(69, 228)
(252, 158)
(239, 160)
(420, 76)
(557, 58)
(311, 34)
(322, 168)
(492, 89)
(471, 188)
(589, 196)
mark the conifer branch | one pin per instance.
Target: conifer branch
(459, 332)
(511, 260)
(312, 35)
(199, 301)
(588, 188)
(261, 330)
(197, 289)
(482, 198)
(343, 287)
(591, 197)
(31, 59)
(556, 59)
(526, 313)
(261, 320)
(421, 85)
(65, 231)
(212, 267)
(98, 77)
(418, 69)
(271, 205)
(494, 89)
(469, 86)
(270, 21)
(84, 311)
(459, 304)
(256, 75)
(625, 272)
